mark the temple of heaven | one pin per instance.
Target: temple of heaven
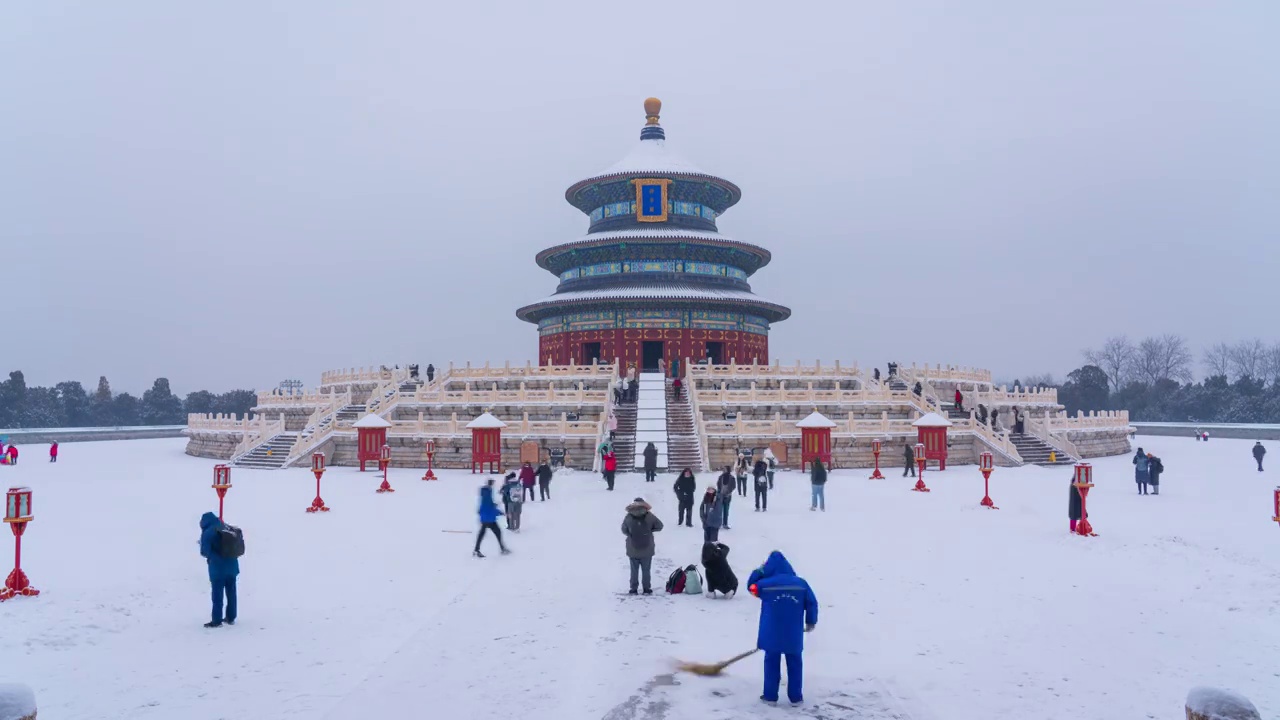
(653, 279)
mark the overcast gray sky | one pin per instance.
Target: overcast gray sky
(230, 194)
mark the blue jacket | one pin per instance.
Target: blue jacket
(489, 512)
(787, 604)
(220, 567)
(1141, 468)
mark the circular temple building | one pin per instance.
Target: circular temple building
(653, 279)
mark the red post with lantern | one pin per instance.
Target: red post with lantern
(371, 435)
(486, 442)
(317, 467)
(931, 432)
(1276, 517)
(815, 439)
(17, 514)
(431, 454)
(384, 464)
(921, 461)
(987, 463)
(1084, 483)
(221, 484)
(875, 450)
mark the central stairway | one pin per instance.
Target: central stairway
(682, 439)
(651, 418)
(1035, 451)
(624, 440)
(270, 455)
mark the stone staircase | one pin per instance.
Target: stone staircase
(683, 449)
(1035, 451)
(350, 413)
(270, 455)
(624, 441)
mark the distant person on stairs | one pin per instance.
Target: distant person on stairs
(909, 460)
(761, 473)
(1141, 471)
(544, 473)
(431, 373)
(818, 486)
(959, 401)
(686, 485)
(489, 514)
(610, 467)
(613, 425)
(650, 462)
(725, 486)
(918, 389)
(711, 514)
(676, 385)
(1258, 453)
(639, 525)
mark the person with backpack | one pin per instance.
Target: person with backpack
(773, 464)
(686, 485)
(513, 494)
(221, 546)
(909, 460)
(1141, 471)
(818, 486)
(720, 577)
(544, 473)
(761, 474)
(489, 513)
(711, 514)
(610, 467)
(741, 475)
(1259, 452)
(788, 610)
(1154, 468)
(509, 486)
(638, 526)
(527, 478)
(724, 488)
(650, 462)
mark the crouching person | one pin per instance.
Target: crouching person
(224, 566)
(788, 609)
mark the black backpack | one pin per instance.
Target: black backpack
(675, 583)
(229, 542)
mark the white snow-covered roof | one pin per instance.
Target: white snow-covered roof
(655, 234)
(816, 420)
(667, 291)
(932, 420)
(371, 421)
(651, 156)
(486, 421)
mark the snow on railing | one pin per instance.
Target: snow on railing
(319, 427)
(257, 431)
(274, 398)
(552, 395)
(1003, 397)
(777, 369)
(699, 428)
(950, 373)
(363, 376)
(865, 393)
(529, 370)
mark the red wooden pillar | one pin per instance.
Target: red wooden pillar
(815, 439)
(486, 442)
(371, 435)
(931, 431)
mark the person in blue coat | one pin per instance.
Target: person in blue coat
(222, 571)
(489, 514)
(788, 610)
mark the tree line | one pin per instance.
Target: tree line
(1154, 379)
(67, 404)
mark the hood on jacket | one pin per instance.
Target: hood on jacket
(208, 520)
(639, 507)
(776, 565)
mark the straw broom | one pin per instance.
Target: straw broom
(712, 669)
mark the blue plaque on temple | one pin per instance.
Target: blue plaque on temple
(651, 200)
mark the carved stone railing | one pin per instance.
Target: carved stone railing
(258, 431)
(734, 370)
(467, 395)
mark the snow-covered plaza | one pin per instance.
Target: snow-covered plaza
(931, 607)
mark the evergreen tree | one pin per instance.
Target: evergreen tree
(101, 408)
(75, 404)
(160, 406)
(13, 398)
(236, 402)
(201, 401)
(41, 409)
(126, 410)
(1087, 389)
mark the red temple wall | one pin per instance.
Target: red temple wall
(691, 343)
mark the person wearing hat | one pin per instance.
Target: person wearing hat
(638, 526)
(712, 515)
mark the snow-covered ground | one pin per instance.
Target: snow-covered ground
(932, 608)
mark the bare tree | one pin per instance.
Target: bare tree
(1035, 381)
(1163, 357)
(1217, 360)
(1116, 359)
(1248, 359)
(1271, 364)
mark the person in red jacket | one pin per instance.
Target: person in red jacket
(959, 400)
(527, 479)
(13, 454)
(610, 467)
(53, 452)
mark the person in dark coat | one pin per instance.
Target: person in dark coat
(719, 576)
(724, 488)
(431, 373)
(1154, 468)
(489, 514)
(740, 473)
(711, 514)
(995, 422)
(788, 610)
(685, 487)
(817, 486)
(650, 462)
(918, 389)
(876, 374)
(982, 413)
(909, 460)
(222, 571)
(639, 525)
(1258, 453)
(1074, 504)
(1141, 471)
(527, 480)
(675, 388)
(544, 473)
(761, 474)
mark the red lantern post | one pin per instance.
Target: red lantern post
(1277, 500)
(920, 462)
(875, 450)
(987, 463)
(317, 467)
(221, 484)
(431, 454)
(1084, 483)
(384, 462)
(17, 514)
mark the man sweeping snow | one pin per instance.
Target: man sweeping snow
(788, 609)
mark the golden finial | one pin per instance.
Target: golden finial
(652, 106)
